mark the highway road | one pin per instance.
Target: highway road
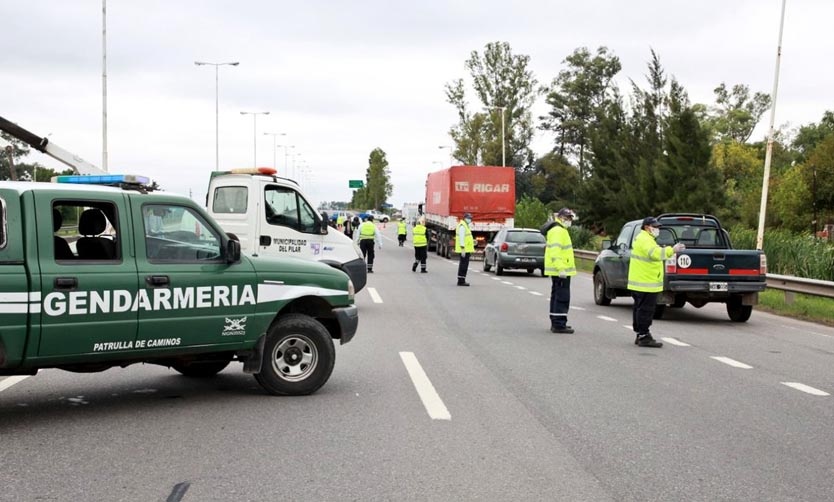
(451, 393)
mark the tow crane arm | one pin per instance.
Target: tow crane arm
(43, 145)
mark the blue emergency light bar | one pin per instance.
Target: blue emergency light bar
(104, 179)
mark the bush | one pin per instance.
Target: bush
(582, 238)
(530, 212)
(790, 254)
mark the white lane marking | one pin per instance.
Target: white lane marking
(507, 283)
(520, 287)
(628, 326)
(431, 400)
(496, 278)
(535, 293)
(8, 382)
(606, 318)
(674, 341)
(578, 308)
(374, 295)
(806, 388)
(732, 362)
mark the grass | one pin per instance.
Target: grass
(809, 308)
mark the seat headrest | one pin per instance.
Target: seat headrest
(57, 220)
(92, 222)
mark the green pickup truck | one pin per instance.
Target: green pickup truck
(708, 270)
(96, 277)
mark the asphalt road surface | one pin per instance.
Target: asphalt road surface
(451, 393)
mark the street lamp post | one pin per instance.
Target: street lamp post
(503, 134)
(255, 133)
(441, 147)
(274, 146)
(216, 107)
(104, 85)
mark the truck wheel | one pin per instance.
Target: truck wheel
(530, 271)
(737, 311)
(298, 357)
(680, 301)
(542, 271)
(200, 369)
(487, 266)
(659, 310)
(600, 298)
(499, 270)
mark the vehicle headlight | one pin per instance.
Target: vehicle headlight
(351, 290)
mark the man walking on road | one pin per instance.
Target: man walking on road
(368, 236)
(402, 231)
(645, 278)
(465, 246)
(560, 266)
(421, 245)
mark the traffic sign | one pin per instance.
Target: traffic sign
(356, 184)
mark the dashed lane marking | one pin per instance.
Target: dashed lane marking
(675, 341)
(578, 308)
(521, 288)
(535, 293)
(8, 382)
(606, 318)
(507, 283)
(496, 278)
(732, 362)
(374, 295)
(628, 326)
(431, 399)
(806, 388)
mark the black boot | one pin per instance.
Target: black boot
(414, 267)
(646, 340)
(566, 329)
(462, 282)
(424, 271)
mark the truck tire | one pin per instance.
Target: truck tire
(680, 301)
(659, 310)
(200, 369)
(298, 357)
(530, 271)
(738, 312)
(499, 270)
(600, 297)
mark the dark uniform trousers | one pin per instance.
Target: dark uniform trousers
(559, 301)
(644, 304)
(463, 266)
(420, 255)
(367, 247)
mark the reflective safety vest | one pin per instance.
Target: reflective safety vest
(419, 236)
(340, 219)
(645, 269)
(558, 255)
(367, 230)
(401, 228)
(468, 242)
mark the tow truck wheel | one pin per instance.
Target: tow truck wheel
(201, 369)
(298, 356)
(600, 298)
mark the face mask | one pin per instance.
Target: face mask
(567, 223)
(654, 231)
(468, 220)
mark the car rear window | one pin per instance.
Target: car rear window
(693, 236)
(525, 237)
(230, 200)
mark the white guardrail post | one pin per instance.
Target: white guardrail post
(787, 283)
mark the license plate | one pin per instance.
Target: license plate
(718, 286)
(528, 260)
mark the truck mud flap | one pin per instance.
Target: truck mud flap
(253, 359)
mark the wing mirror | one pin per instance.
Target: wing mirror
(232, 251)
(325, 222)
(606, 244)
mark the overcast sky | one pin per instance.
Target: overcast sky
(342, 78)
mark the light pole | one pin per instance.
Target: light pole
(255, 132)
(104, 85)
(503, 134)
(294, 156)
(216, 107)
(274, 146)
(286, 161)
(441, 147)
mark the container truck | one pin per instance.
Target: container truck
(486, 192)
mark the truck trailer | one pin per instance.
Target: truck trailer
(486, 192)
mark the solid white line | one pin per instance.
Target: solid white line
(806, 388)
(374, 295)
(732, 362)
(535, 293)
(578, 308)
(8, 382)
(606, 318)
(675, 341)
(431, 400)
(520, 287)
(507, 283)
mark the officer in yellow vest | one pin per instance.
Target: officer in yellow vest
(368, 236)
(645, 278)
(402, 231)
(421, 245)
(340, 221)
(560, 266)
(465, 246)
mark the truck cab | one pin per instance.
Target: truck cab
(272, 217)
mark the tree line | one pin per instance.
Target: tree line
(618, 154)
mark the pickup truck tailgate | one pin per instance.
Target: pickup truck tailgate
(715, 270)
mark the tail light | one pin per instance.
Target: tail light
(505, 246)
(672, 265)
(762, 264)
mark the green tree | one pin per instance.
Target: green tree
(791, 204)
(378, 185)
(736, 113)
(819, 176)
(500, 79)
(809, 136)
(530, 213)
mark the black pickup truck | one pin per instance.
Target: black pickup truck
(708, 270)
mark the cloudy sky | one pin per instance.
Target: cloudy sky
(341, 78)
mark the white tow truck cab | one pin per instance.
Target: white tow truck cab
(272, 217)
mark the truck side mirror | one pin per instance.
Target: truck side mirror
(232, 251)
(606, 244)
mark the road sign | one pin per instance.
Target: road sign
(355, 183)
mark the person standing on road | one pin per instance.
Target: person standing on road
(340, 221)
(560, 266)
(402, 231)
(368, 236)
(421, 246)
(645, 278)
(465, 246)
(349, 227)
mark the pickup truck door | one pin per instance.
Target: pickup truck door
(194, 296)
(619, 265)
(88, 287)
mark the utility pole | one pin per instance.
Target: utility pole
(104, 84)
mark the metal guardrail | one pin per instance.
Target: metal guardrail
(787, 283)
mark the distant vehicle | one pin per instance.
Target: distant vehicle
(378, 216)
(708, 270)
(515, 248)
(347, 215)
(410, 212)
